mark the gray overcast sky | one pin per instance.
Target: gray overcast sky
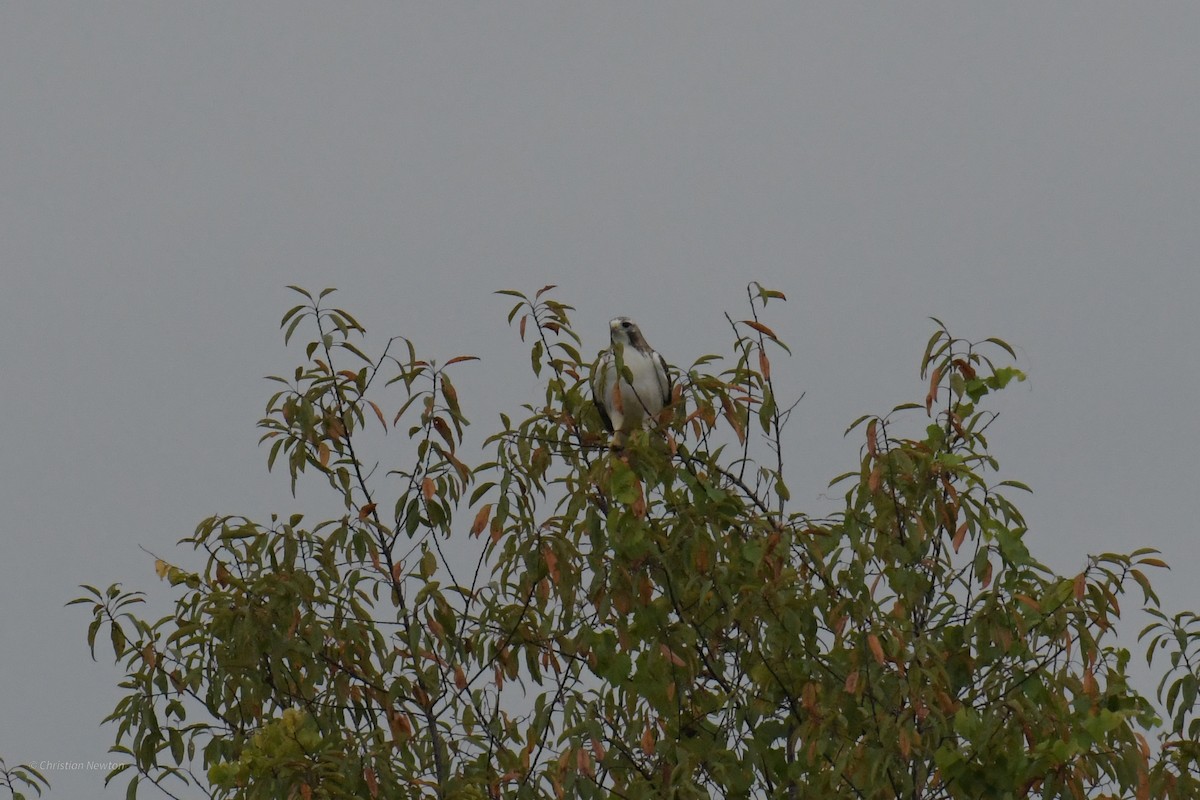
(1025, 170)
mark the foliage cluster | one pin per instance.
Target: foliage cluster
(655, 622)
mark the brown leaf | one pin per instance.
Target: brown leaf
(223, 575)
(366, 510)
(149, 656)
(481, 519)
(851, 682)
(372, 783)
(457, 359)
(646, 590)
(934, 380)
(460, 678)
(598, 750)
(1080, 585)
(427, 488)
(524, 319)
(872, 443)
(648, 740)
(323, 454)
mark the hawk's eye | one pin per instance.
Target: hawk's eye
(626, 324)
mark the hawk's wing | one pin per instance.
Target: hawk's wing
(664, 378)
(600, 393)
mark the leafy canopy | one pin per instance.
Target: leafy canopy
(558, 620)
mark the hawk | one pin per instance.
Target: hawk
(624, 407)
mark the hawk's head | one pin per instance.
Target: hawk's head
(625, 331)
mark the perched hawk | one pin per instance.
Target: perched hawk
(624, 407)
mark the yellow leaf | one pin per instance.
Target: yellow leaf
(161, 568)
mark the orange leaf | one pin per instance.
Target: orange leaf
(1029, 601)
(460, 678)
(378, 414)
(851, 682)
(598, 750)
(876, 647)
(670, 655)
(874, 478)
(872, 443)
(372, 783)
(764, 364)
(960, 535)
(1080, 585)
(551, 563)
(758, 326)
(427, 488)
(366, 510)
(457, 359)
(481, 520)
(323, 454)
